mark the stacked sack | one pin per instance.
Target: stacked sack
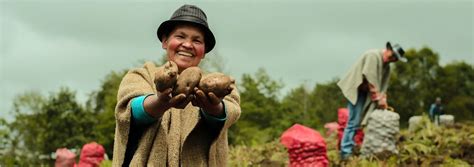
(306, 147)
(383, 127)
(92, 154)
(331, 127)
(65, 158)
(342, 118)
(414, 123)
(446, 120)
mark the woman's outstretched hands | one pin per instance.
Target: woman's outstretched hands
(209, 102)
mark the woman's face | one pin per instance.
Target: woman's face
(185, 46)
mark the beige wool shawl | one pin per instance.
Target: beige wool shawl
(179, 138)
(370, 65)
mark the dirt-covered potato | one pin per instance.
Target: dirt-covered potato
(166, 76)
(217, 83)
(187, 81)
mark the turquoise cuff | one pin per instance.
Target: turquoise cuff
(213, 119)
(138, 111)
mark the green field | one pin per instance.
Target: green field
(428, 145)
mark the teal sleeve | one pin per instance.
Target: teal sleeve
(139, 114)
(212, 119)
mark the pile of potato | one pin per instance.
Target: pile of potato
(306, 147)
(308, 154)
(167, 76)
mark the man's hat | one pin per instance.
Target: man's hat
(397, 51)
(188, 14)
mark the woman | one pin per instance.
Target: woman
(157, 129)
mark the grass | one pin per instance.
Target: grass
(427, 145)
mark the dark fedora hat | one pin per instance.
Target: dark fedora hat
(189, 14)
(397, 51)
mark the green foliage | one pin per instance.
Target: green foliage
(433, 145)
(4, 134)
(43, 124)
(314, 108)
(264, 117)
(455, 162)
(416, 80)
(266, 154)
(461, 107)
(103, 103)
(260, 110)
(106, 163)
(7, 157)
(296, 108)
(326, 99)
(456, 81)
(415, 85)
(426, 146)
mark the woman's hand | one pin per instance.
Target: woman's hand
(210, 103)
(157, 104)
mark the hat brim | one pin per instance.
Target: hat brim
(399, 57)
(166, 27)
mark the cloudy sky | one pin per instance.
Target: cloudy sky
(51, 43)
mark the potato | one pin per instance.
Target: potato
(187, 81)
(166, 76)
(217, 83)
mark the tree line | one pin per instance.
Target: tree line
(43, 123)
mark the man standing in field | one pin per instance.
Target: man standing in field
(363, 86)
(436, 110)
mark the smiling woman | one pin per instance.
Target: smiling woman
(184, 46)
(176, 125)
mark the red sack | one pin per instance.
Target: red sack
(342, 119)
(331, 127)
(306, 147)
(92, 155)
(64, 158)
